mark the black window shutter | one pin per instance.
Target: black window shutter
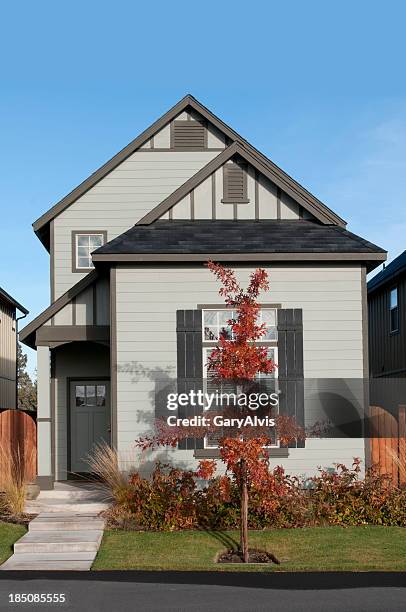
(189, 365)
(290, 366)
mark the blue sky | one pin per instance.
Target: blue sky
(318, 87)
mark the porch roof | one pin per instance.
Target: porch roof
(39, 331)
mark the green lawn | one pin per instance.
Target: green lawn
(9, 533)
(319, 548)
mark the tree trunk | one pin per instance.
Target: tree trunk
(244, 513)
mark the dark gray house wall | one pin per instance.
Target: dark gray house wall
(387, 348)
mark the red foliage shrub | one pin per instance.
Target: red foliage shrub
(171, 500)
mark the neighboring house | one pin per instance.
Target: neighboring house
(8, 349)
(134, 307)
(387, 320)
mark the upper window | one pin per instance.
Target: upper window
(235, 183)
(83, 245)
(215, 324)
(188, 135)
(394, 310)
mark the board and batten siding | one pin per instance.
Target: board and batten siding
(387, 351)
(146, 303)
(7, 356)
(119, 200)
(266, 201)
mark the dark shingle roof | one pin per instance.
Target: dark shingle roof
(217, 237)
(396, 267)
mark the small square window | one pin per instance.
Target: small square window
(83, 245)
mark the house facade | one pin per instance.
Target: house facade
(135, 310)
(8, 349)
(387, 320)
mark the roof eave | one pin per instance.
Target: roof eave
(387, 279)
(27, 334)
(371, 260)
(10, 300)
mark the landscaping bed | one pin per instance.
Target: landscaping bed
(9, 533)
(367, 548)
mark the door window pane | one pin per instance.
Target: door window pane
(101, 395)
(80, 395)
(90, 395)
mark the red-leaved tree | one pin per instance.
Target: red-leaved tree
(240, 358)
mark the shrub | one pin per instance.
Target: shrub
(340, 497)
(104, 464)
(13, 480)
(171, 500)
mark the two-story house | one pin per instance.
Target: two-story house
(134, 306)
(8, 349)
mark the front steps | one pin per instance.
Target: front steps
(67, 532)
(62, 541)
(70, 496)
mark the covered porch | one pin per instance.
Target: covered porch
(72, 340)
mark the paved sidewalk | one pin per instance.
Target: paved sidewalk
(67, 532)
(58, 541)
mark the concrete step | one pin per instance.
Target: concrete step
(14, 564)
(73, 494)
(64, 523)
(88, 555)
(58, 541)
(60, 505)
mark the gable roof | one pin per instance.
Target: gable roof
(317, 210)
(41, 225)
(389, 273)
(26, 334)
(6, 297)
(270, 240)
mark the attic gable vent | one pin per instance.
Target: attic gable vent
(235, 183)
(189, 135)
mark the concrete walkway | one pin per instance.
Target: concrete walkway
(67, 532)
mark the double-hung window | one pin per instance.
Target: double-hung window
(215, 325)
(83, 245)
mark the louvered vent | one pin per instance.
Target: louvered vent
(189, 135)
(234, 183)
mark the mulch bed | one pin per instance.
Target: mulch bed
(255, 556)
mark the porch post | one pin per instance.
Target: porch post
(45, 478)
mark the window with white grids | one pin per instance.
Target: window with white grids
(84, 244)
(215, 323)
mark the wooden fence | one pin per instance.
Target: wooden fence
(388, 442)
(18, 438)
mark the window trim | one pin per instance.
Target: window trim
(74, 234)
(396, 330)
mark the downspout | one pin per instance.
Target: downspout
(17, 320)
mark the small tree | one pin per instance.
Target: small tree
(237, 357)
(26, 388)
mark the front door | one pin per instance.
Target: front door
(89, 420)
